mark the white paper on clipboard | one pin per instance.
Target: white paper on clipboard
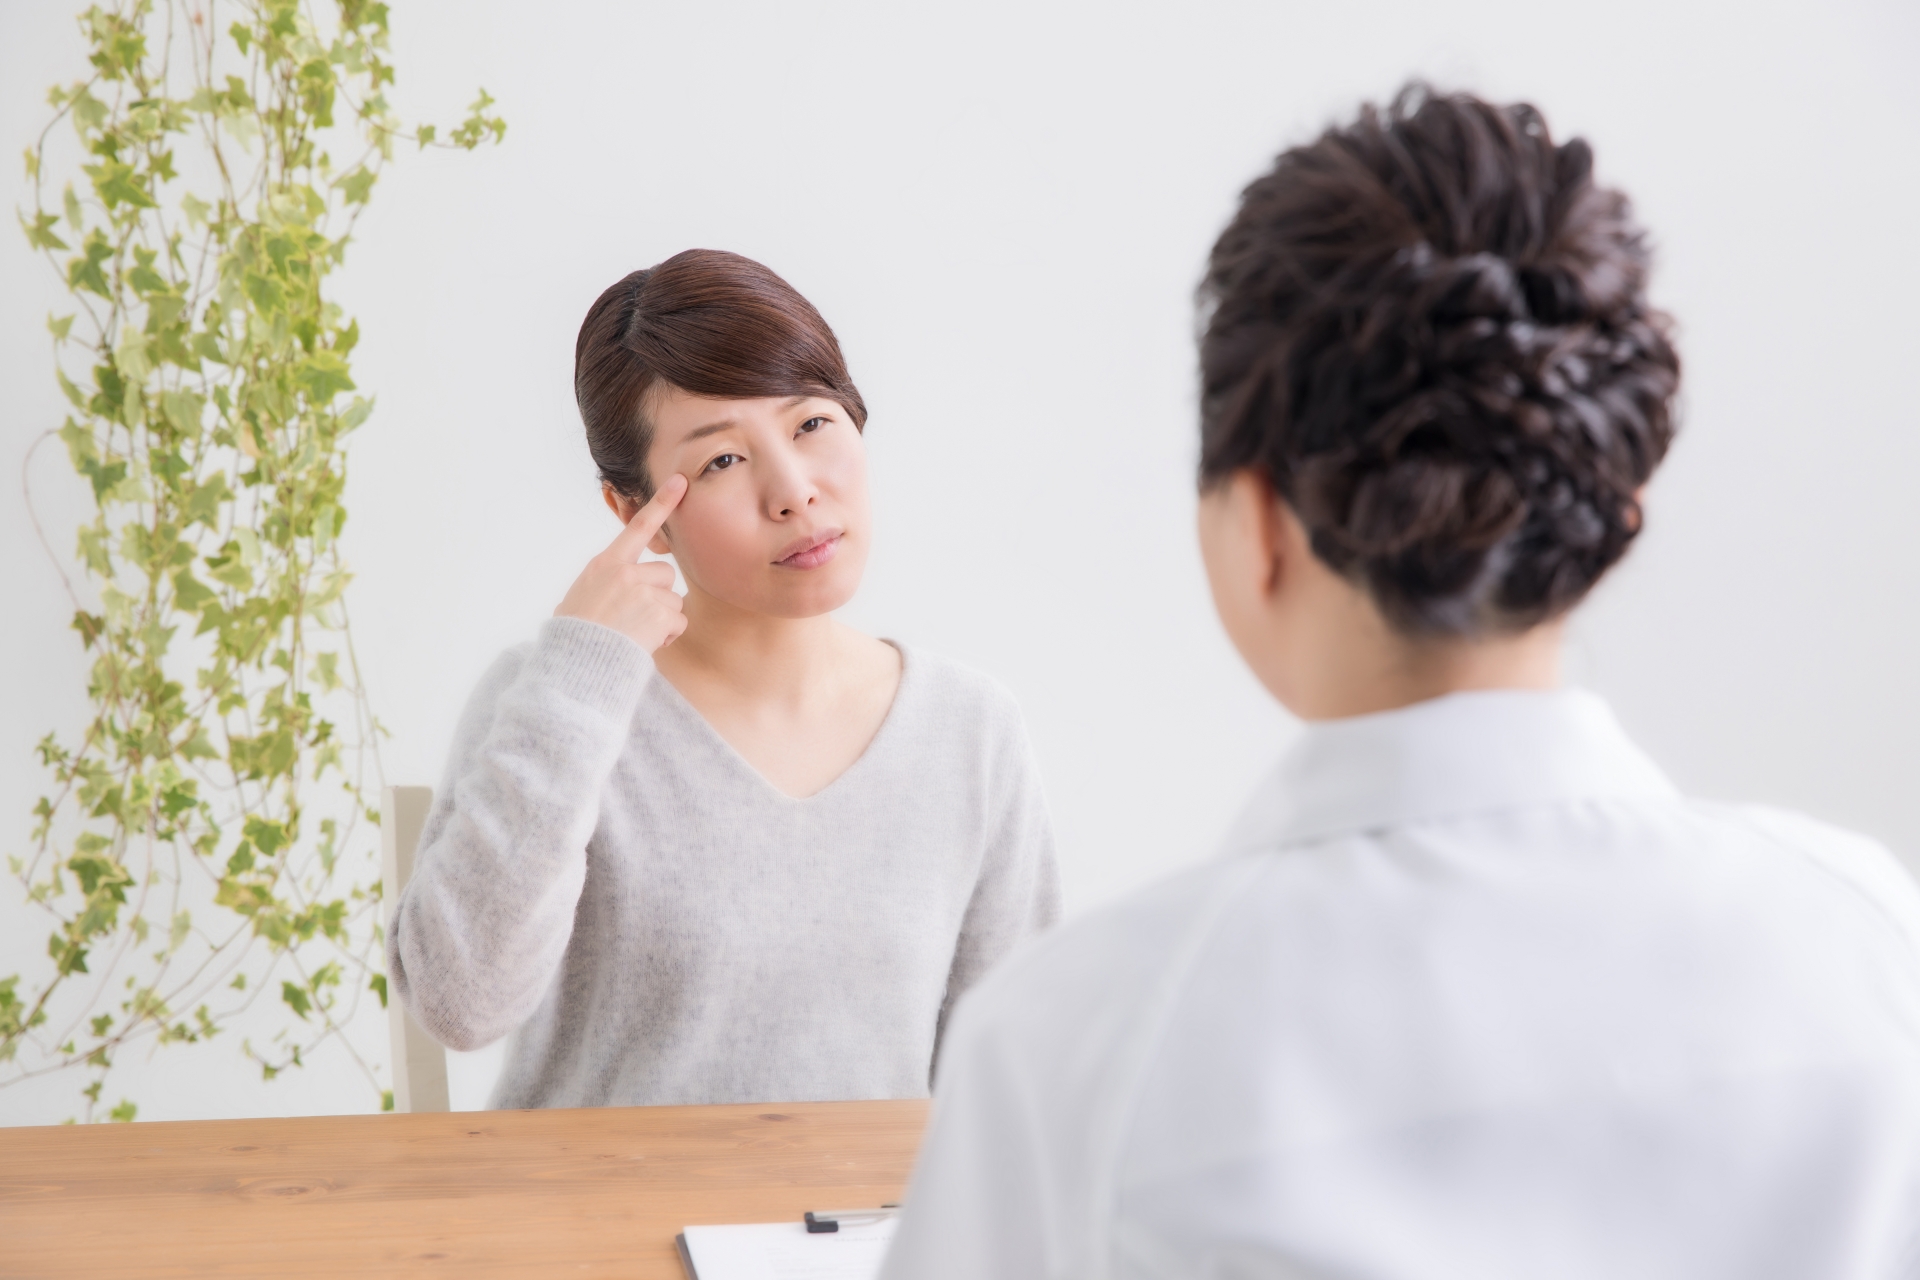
(786, 1251)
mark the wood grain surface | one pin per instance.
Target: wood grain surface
(498, 1193)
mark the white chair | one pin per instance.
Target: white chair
(419, 1063)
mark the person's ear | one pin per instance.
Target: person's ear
(1275, 534)
(1639, 511)
(625, 507)
(622, 506)
(1241, 541)
(1285, 534)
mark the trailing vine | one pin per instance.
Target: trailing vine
(208, 840)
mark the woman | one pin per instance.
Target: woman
(1473, 991)
(720, 849)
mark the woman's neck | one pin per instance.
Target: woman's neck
(1360, 670)
(799, 698)
(757, 657)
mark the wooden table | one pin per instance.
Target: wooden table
(591, 1193)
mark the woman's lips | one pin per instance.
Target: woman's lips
(812, 553)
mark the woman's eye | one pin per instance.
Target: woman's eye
(811, 424)
(722, 462)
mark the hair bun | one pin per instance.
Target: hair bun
(1430, 329)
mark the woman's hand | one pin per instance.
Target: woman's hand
(617, 591)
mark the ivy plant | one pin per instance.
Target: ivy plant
(207, 841)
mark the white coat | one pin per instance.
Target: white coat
(1474, 994)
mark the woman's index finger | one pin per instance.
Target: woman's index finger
(646, 522)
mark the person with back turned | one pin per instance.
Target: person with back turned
(1472, 993)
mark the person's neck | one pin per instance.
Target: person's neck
(1359, 675)
(756, 657)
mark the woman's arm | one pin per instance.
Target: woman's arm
(483, 925)
(1018, 893)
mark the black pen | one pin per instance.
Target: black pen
(822, 1221)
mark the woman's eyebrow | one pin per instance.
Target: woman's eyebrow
(701, 432)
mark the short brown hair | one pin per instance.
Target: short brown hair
(1429, 328)
(710, 323)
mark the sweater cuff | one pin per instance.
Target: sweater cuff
(593, 665)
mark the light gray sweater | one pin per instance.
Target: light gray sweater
(604, 877)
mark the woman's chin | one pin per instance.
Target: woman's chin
(813, 599)
(800, 594)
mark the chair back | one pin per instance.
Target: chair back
(419, 1063)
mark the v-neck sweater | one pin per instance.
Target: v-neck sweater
(604, 877)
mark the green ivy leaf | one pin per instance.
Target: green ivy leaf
(206, 502)
(99, 872)
(73, 393)
(119, 184)
(68, 956)
(106, 478)
(93, 553)
(323, 375)
(265, 293)
(356, 184)
(143, 277)
(270, 837)
(87, 271)
(131, 356)
(189, 594)
(88, 111)
(40, 231)
(183, 409)
(89, 625)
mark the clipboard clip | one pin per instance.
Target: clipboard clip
(824, 1221)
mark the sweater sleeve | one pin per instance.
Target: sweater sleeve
(1018, 892)
(482, 927)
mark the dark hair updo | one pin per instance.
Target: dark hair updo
(1429, 329)
(710, 323)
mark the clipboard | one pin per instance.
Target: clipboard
(826, 1245)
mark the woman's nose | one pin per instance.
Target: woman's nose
(790, 491)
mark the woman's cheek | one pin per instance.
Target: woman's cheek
(726, 553)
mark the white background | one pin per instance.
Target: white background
(1002, 207)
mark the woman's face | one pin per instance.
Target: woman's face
(775, 519)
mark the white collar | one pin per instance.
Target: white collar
(1452, 756)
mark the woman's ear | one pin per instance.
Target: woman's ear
(622, 507)
(1282, 538)
(1250, 536)
(1237, 542)
(625, 507)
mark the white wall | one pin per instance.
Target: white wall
(1002, 208)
